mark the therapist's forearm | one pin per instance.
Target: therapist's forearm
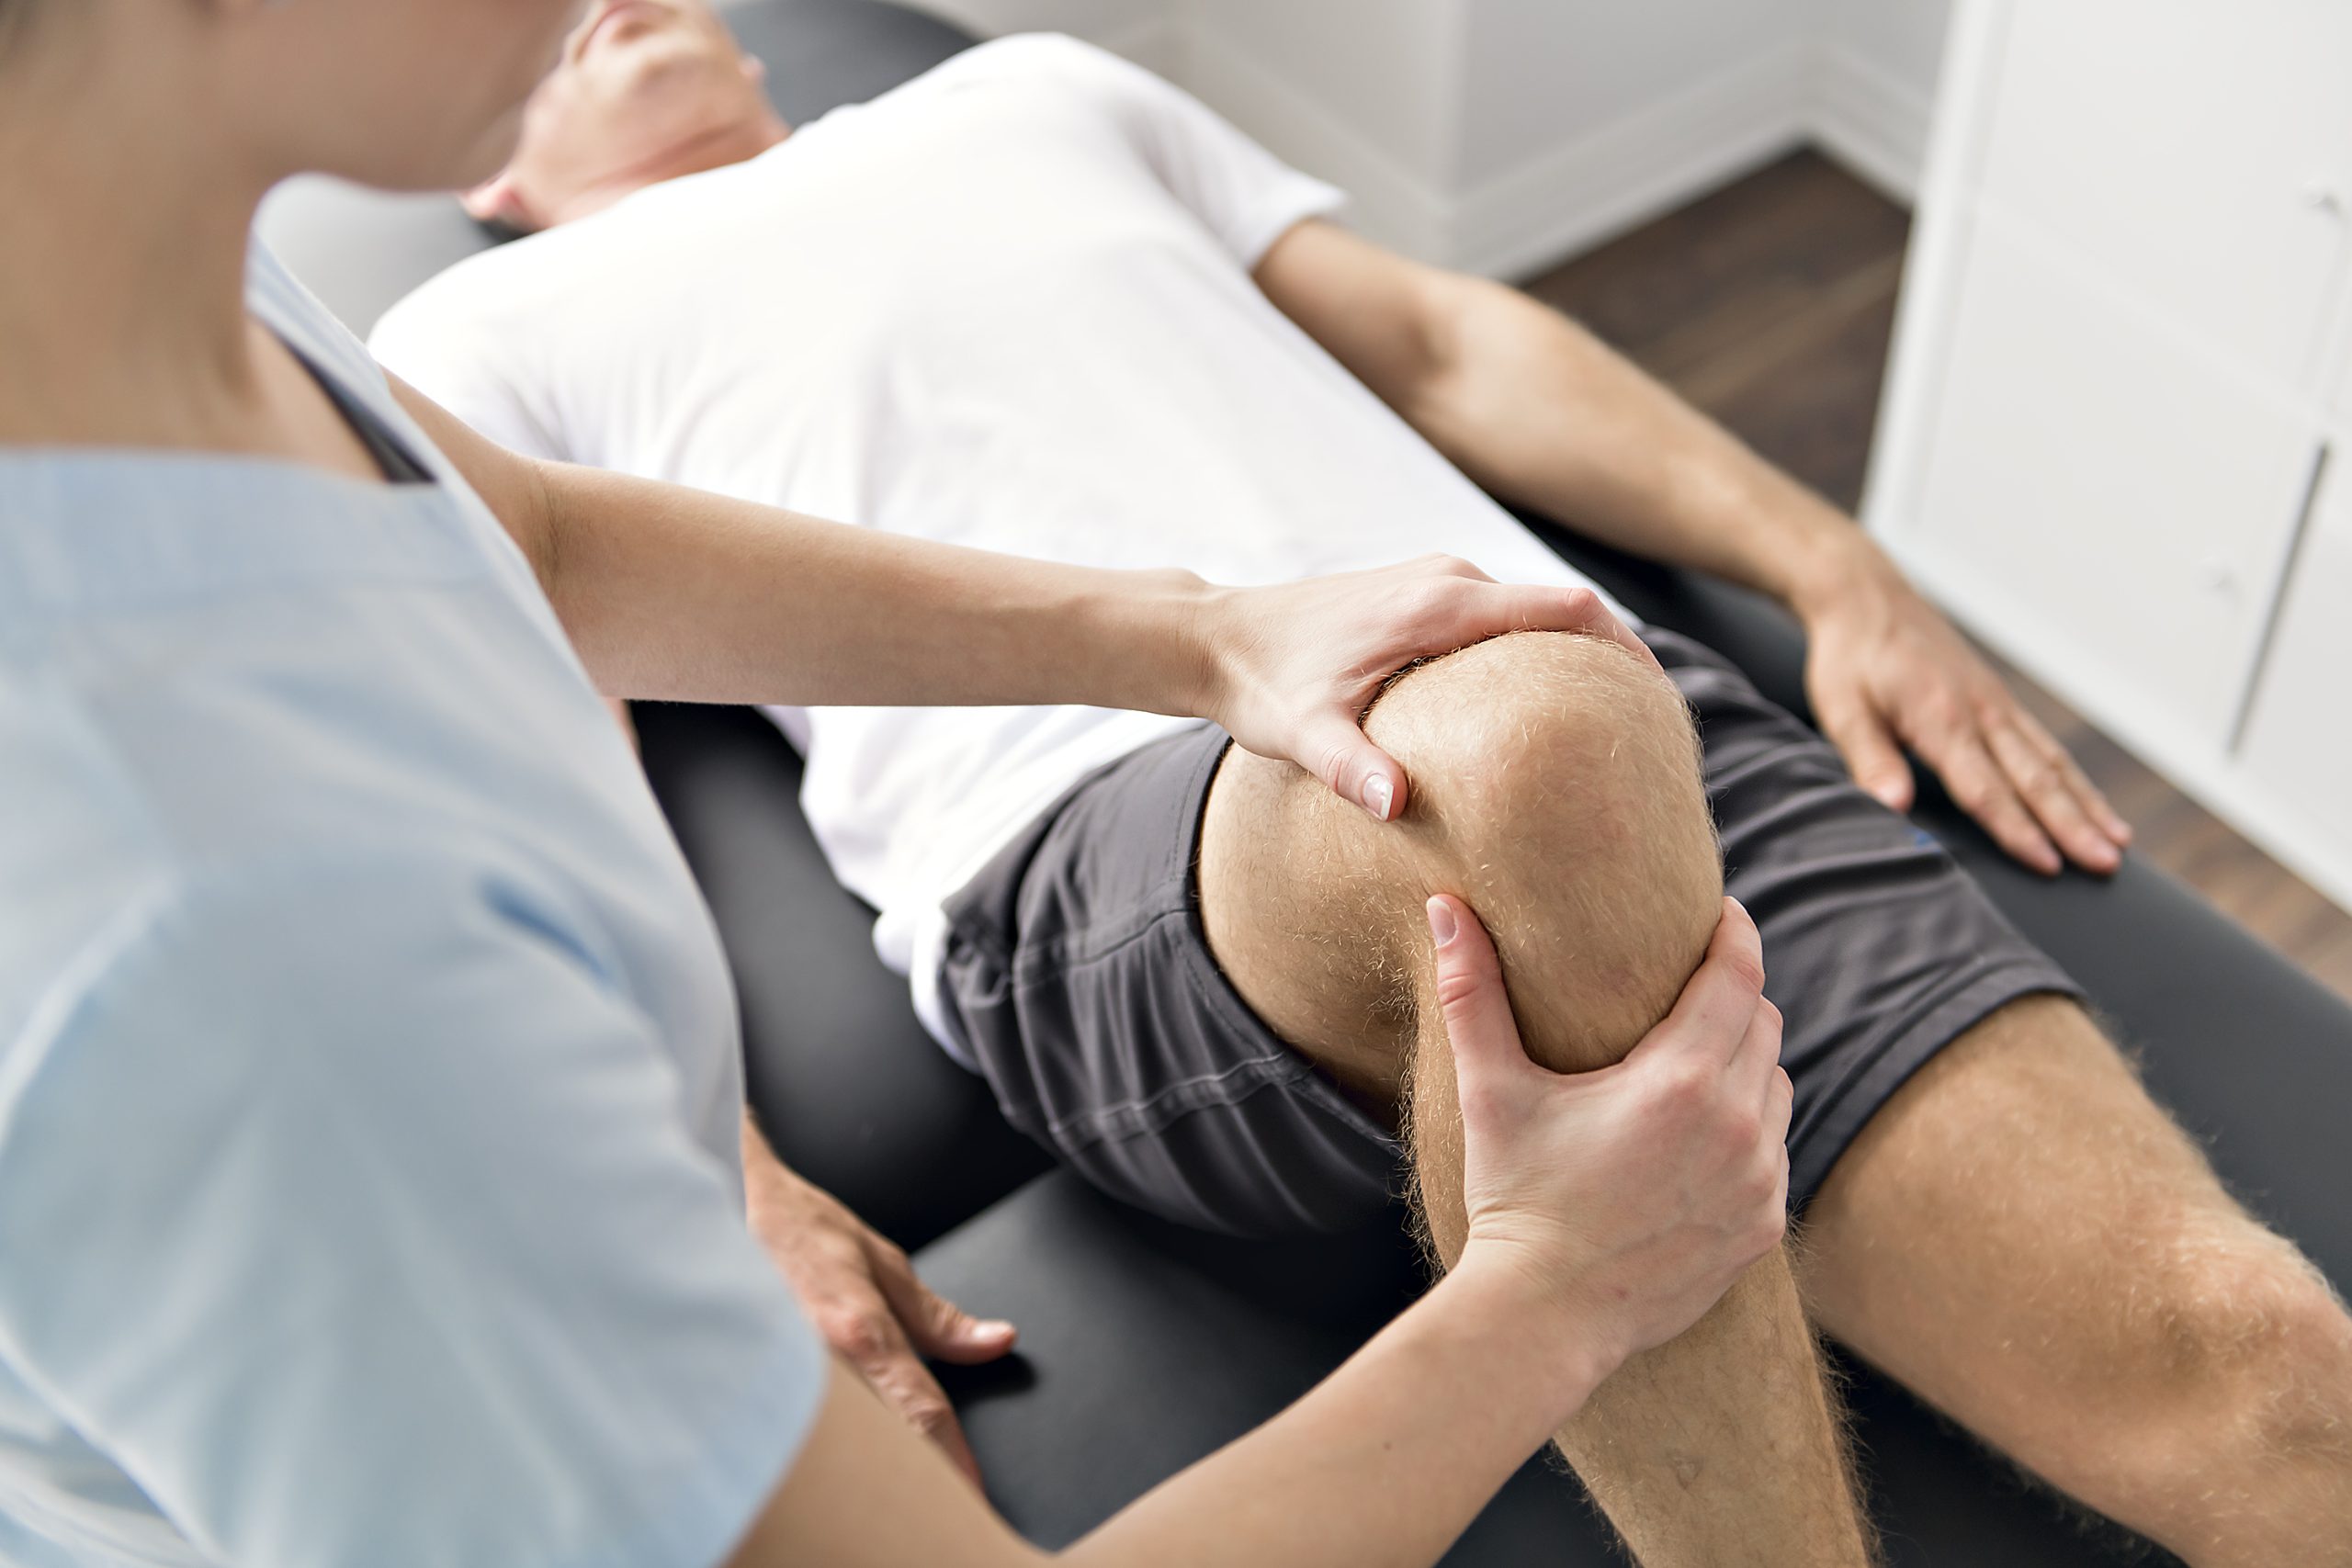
(672, 593)
(680, 594)
(1389, 1459)
(1380, 1466)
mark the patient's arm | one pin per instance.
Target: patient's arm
(676, 594)
(1540, 412)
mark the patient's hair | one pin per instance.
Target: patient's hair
(500, 232)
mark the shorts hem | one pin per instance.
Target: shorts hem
(1850, 1103)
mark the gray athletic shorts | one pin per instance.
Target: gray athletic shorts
(1079, 973)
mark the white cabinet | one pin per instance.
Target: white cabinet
(2057, 470)
(2116, 440)
(2201, 151)
(2294, 745)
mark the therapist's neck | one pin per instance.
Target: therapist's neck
(123, 317)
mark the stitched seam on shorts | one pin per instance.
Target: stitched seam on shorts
(966, 919)
(1981, 977)
(1022, 961)
(1795, 751)
(1155, 1111)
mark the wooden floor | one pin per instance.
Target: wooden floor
(1769, 304)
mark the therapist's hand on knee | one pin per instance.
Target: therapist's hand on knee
(1639, 1191)
(1295, 667)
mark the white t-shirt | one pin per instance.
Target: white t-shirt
(1007, 305)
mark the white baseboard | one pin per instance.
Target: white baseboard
(1574, 196)
(1386, 202)
(1646, 164)
(1558, 201)
(1871, 122)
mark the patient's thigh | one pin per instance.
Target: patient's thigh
(1301, 906)
(2027, 1241)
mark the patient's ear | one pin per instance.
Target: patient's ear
(496, 200)
(755, 70)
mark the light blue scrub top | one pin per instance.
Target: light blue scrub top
(369, 1074)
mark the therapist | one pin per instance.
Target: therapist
(369, 1083)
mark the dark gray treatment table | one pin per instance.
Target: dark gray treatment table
(1144, 1346)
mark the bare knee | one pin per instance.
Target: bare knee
(2256, 1355)
(1556, 786)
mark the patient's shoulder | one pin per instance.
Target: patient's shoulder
(494, 288)
(467, 338)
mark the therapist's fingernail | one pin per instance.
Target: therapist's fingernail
(1379, 794)
(1444, 926)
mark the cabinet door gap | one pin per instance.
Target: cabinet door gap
(2278, 596)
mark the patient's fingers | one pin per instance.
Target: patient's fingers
(872, 1341)
(1981, 788)
(885, 1334)
(2039, 774)
(935, 1325)
(1862, 739)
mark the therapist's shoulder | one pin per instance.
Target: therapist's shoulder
(303, 954)
(81, 853)
(131, 874)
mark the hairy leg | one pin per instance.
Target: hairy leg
(1555, 788)
(2023, 1237)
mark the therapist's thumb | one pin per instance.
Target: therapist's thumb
(1480, 1031)
(1336, 751)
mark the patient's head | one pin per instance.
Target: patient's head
(646, 91)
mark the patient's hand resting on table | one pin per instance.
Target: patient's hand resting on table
(861, 1294)
(1885, 670)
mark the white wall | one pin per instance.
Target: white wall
(1499, 135)
(1547, 73)
(1382, 70)
(1903, 41)
(1875, 91)
(1143, 30)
